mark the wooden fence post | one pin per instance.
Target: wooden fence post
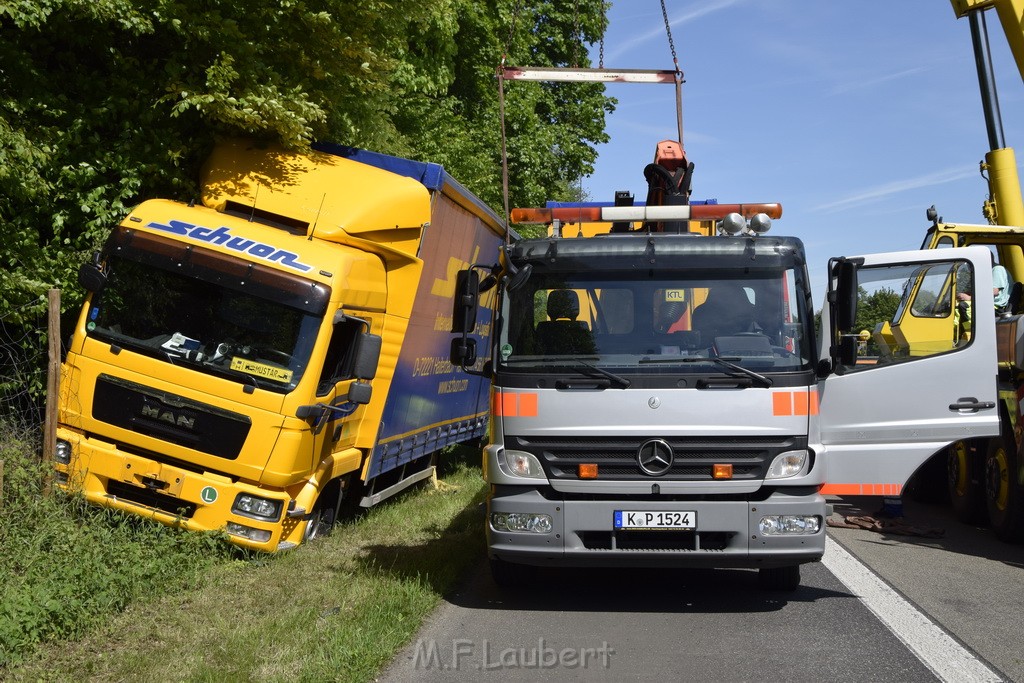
(52, 381)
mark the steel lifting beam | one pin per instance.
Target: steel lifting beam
(580, 75)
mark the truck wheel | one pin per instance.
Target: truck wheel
(1002, 491)
(779, 578)
(511, 575)
(928, 485)
(325, 514)
(966, 494)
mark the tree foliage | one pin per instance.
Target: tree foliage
(875, 308)
(104, 103)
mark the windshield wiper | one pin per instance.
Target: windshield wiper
(724, 361)
(620, 381)
(727, 362)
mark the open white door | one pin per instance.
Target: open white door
(905, 390)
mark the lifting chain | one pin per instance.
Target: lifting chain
(679, 74)
(668, 31)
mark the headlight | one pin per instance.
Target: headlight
(778, 525)
(521, 464)
(259, 508)
(258, 535)
(532, 522)
(788, 464)
(62, 452)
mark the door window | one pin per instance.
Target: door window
(908, 311)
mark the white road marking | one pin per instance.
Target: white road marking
(946, 658)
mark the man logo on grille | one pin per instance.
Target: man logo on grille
(655, 457)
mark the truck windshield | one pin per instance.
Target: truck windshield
(660, 323)
(204, 323)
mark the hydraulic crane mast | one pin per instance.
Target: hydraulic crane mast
(1004, 205)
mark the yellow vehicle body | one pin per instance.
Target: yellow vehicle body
(313, 254)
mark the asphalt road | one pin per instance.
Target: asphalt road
(919, 609)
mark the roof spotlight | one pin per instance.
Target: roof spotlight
(760, 223)
(733, 224)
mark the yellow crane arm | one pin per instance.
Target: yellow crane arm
(1011, 16)
(1005, 206)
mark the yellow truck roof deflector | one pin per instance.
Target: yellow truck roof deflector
(329, 194)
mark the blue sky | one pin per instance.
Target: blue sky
(856, 115)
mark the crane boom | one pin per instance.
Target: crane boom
(1005, 205)
(1011, 16)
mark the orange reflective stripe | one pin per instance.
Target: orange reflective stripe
(782, 403)
(527, 405)
(785, 403)
(509, 405)
(862, 489)
(514, 405)
(799, 402)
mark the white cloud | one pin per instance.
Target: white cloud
(895, 187)
(871, 82)
(704, 9)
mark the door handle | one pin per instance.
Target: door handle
(971, 403)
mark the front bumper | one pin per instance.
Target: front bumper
(108, 476)
(582, 533)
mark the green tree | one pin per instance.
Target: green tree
(104, 103)
(874, 308)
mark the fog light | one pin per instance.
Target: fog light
(522, 522)
(257, 535)
(522, 464)
(259, 508)
(62, 452)
(777, 525)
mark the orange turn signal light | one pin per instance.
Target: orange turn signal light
(721, 471)
(587, 470)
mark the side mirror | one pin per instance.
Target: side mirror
(360, 392)
(91, 276)
(845, 295)
(520, 278)
(467, 296)
(367, 356)
(463, 352)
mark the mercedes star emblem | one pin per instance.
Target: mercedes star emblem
(654, 457)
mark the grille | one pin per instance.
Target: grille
(693, 458)
(170, 417)
(655, 540)
(151, 499)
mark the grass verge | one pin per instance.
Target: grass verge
(337, 609)
(65, 567)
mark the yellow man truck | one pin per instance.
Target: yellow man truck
(249, 363)
(661, 395)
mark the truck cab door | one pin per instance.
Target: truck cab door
(882, 415)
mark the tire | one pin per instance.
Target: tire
(928, 485)
(963, 479)
(325, 514)
(511, 575)
(779, 578)
(1003, 492)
